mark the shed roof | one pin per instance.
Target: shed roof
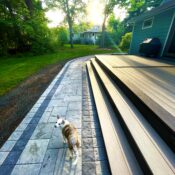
(95, 29)
(165, 5)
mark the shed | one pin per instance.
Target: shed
(158, 22)
(90, 36)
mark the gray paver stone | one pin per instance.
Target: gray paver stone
(3, 155)
(88, 155)
(86, 133)
(87, 143)
(88, 168)
(49, 162)
(15, 135)
(8, 145)
(34, 151)
(43, 131)
(29, 169)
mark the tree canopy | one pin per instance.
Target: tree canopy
(116, 28)
(138, 7)
(73, 9)
(23, 27)
(108, 10)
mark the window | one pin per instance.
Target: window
(147, 23)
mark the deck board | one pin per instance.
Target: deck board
(119, 61)
(152, 80)
(138, 127)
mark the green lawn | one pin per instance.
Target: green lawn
(13, 70)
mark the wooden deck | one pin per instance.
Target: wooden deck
(150, 85)
(141, 95)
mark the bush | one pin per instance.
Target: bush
(77, 41)
(42, 46)
(41, 42)
(125, 42)
(62, 36)
(87, 41)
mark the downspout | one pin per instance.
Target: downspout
(167, 37)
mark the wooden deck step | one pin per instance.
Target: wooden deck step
(152, 95)
(153, 154)
(121, 158)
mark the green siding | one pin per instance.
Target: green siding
(160, 28)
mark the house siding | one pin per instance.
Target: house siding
(159, 29)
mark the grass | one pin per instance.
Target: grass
(14, 70)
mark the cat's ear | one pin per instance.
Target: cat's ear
(58, 117)
(63, 122)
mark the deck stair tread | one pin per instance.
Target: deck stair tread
(166, 74)
(154, 150)
(159, 71)
(151, 80)
(120, 155)
(159, 97)
(135, 61)
(162, 96)
(164, 77)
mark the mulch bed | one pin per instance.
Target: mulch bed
(17, 103)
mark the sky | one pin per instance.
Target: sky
(94, 14)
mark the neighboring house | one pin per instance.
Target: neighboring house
(90, 36)
(158, 22)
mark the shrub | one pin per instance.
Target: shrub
(125, 42)
(87, 41)
(62, 36)
(77, 41)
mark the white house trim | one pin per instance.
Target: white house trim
(169, 30)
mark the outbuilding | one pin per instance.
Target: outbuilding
(90, 36)
(156, 23)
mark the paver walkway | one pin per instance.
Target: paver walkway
(36, 147)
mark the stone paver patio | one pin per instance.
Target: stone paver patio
(36, 147)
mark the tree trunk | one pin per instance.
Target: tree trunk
(103, 32)
(71, 34)
(29, 5)
(70, 23)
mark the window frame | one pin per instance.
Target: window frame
(147, 27)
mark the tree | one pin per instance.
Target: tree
(115, 28)
(81, 27)
(23, 27)
(59, 36)
(108, 9)
(72, 10)
(30, 6)
(136, 8)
